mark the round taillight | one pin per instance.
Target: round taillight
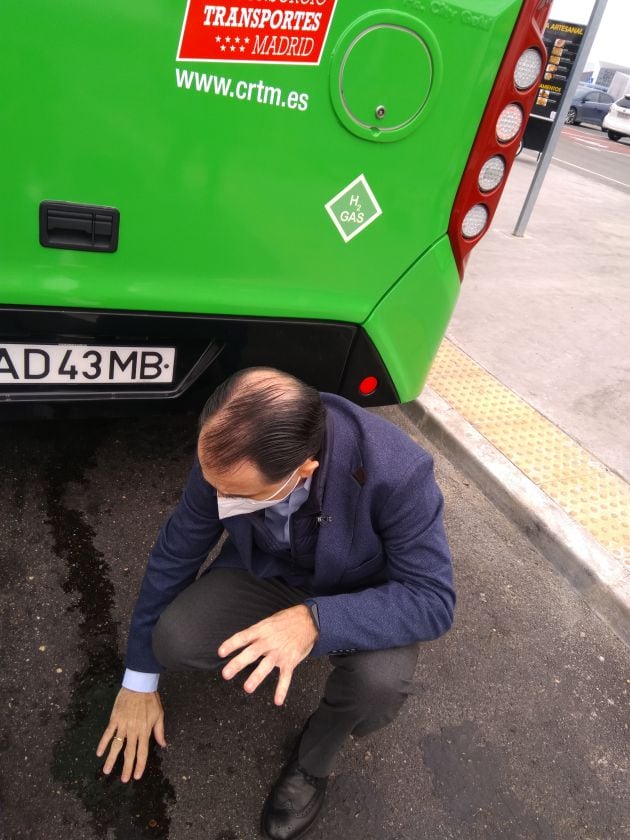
(492, 173)
(528, 69)
(475, 221)
(368, 386)
(509, 123)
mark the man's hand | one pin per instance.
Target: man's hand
(134, 717)
(283, 640)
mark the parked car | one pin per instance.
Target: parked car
(617, 121)
(589, 106)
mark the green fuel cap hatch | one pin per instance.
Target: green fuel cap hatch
(383, 73)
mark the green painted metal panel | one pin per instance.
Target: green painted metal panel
(222, 201)
(222, 171)
(409, 323)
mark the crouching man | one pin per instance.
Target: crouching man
(335, 547)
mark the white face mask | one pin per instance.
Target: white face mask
(238, 505)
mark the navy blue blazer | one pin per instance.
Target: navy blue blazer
(381, 574)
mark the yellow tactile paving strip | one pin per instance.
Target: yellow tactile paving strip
(593, 496)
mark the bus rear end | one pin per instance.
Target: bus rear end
(193, 188)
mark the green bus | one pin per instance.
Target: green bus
(191, 188)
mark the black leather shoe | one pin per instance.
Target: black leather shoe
(293, 803)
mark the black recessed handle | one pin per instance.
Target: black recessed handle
(78, 227)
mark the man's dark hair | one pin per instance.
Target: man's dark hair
(264, 416)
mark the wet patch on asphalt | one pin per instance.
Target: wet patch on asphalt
(117, 811)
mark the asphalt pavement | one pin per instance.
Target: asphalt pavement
(518, 727)
(586, 151)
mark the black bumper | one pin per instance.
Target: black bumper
(331, 356)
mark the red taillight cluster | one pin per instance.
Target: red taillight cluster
(500, 132)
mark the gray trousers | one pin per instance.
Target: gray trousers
(364, 692)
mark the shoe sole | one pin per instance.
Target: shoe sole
(296, 836)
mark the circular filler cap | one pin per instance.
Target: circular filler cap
(385, 77)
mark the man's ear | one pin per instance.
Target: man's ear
(308, 468)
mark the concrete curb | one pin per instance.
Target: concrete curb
(601, 580)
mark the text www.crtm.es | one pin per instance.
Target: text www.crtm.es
(245, 91)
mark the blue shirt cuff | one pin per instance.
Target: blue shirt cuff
(313, 606)
(139, 681)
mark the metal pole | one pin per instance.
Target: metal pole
(554, 134)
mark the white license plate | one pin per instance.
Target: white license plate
(84, 364)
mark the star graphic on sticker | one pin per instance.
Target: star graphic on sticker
(228, 39)
(232, 48)
(218, 39)
(237, 40)
(222, 47)
(247, 40)
(242, 49)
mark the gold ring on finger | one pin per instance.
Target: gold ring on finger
(116, 738)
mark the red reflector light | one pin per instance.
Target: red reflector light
(368, 386)
(500, 130)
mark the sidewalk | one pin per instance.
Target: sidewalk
(530, 391)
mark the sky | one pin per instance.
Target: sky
(613, 37)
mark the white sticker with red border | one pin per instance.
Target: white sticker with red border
(256, 31)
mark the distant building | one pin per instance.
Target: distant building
(615, 78)
(620, 86)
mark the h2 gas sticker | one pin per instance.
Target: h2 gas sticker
(256, 31)
(354, 208)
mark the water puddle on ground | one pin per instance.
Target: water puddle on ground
(117, 811)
